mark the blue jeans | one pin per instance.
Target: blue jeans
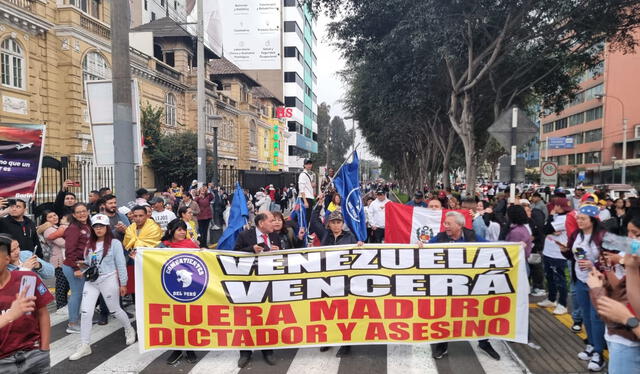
(76, 285)
(556, 280)
(593, 323)
(576, 314)
(623, 359)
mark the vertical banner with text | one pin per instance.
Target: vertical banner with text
(21, 150)
(375, 294)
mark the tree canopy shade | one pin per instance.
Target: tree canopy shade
(416, 68)
(334, 140)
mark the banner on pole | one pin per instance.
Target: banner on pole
(21, 150)
(376, 294)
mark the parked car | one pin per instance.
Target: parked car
(615, 191)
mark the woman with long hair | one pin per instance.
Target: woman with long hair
(186, 214)
(76, 239)
(519, 230)
(618, 212)
(176, 237)
(288, 239)
(107, 255)
(53, 231)
(583, 249)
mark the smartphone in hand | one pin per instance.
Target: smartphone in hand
(28, 283)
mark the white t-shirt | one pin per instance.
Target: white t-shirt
(163, 218)
(592, 253)
(604, 214)
(305, 184)
(551, 248)
(376, 213)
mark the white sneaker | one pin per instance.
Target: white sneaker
(83, 350)
(547, 304)
(537, 292)
(130, 335)
(560, 309)
(597, 362)
(73, 329)
(587, 353)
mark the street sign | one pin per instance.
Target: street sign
(549, 174)
(284, 112)
(582, 176)
(561, 143)
(502, 127)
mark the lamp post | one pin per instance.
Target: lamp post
(624, 137)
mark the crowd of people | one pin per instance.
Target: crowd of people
(89, 249)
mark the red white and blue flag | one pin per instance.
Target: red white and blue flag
(406, 224)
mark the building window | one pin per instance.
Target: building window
(153, 16)
(209, 110)
(12, 61)
(146, 5)
(290, 2)
(290, 51)
(253, 134)
(576, 119)
(593, 136)
(592, 158)
(170, 109)
(548, 127)
(593, 114)
(94, 67)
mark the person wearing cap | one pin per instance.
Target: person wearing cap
(554, 261)
(332, 234)
(377, 215)
(577, 196)
(418, 200)
(307, 183)
(583, 250)
(143, 232)
(106, 253)
(161, 215)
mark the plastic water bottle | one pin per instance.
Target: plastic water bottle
(624, 244)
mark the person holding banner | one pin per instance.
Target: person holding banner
(255, 240)
(455, 232)
(176, 237)
(288, 239)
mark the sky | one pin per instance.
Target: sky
(331, 88)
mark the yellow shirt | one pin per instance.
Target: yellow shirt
(192, 230)
(148, 236)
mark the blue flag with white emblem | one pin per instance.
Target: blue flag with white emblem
(347, 184)
(237, 219)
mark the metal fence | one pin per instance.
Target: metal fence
(89, 177)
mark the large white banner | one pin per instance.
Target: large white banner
(213, 25)
(251, 38)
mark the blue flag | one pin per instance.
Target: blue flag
(237, 219)
(302, 219)
(347, 183)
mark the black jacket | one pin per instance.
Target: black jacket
(59, 207)
(24, 232)
(325, 235)
(247, 239)
(468, 235)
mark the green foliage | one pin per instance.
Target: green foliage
(415, 66)
(174, 159)
(151, 119)
(340, 141)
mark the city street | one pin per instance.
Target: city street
(111, 355)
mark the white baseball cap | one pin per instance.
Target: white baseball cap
(124, 210)
(525, 202)
(100, 219)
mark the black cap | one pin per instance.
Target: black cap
(380, 191)
(418, 195)
(307, 161)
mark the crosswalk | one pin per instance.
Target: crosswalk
(111, 355)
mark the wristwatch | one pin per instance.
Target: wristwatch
(632, 323)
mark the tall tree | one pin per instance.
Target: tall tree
(333, 139)
(486, 54)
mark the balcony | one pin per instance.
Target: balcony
(23, 4)
(165, 69)
(94, 26)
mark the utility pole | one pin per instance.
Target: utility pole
(328, 142)
(514, 153)
(202, 150)
(122, 111)
(624, 150)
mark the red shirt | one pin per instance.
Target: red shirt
(23, 334)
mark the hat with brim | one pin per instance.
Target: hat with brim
(590, 210)
(100, 219)
(335, 216)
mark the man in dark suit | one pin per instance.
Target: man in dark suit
(255, 240)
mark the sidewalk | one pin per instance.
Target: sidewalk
(558, 346)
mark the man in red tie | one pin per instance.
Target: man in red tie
(256, 240)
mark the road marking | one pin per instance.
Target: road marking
(410, 359)
(224, 362)
(61, 349)
(312, 361)
(129, 360)
(506, 365)
(61, 315)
